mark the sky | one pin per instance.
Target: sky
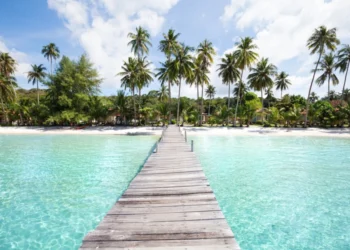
(99, 28)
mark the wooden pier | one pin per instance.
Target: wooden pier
(168, 205)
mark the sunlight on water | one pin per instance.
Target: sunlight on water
(281, 192)
(54, 189)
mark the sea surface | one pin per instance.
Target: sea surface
(281, 193)
(56, 188)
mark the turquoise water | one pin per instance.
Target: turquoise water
(281, 193)
(54, 189)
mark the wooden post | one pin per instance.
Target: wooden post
(191, 145)
(156, 148)
(185, 136)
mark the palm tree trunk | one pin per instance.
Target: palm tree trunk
(228, 102)
(139, 106)
(197, 92)
(329, 88)
(178, 104)
(281, 94)
(202, 106)
(262, 105)
(37, 91)
(133, 96)
(4, 117)
(312, 81)
(209, 107)
(51, 64)
(238, 97)
(169, 83)
(346, 75)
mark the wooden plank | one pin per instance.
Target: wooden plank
(163, 243)
(168, 205)
(165, 225)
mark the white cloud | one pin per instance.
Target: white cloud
(101, 28)
(283, 27)
(23, 65)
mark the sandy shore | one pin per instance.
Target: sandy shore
(259, 131)
(221, 131)
(85, 131)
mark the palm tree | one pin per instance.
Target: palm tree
(206, 53)
(129, 78)
(245, 56)
(162, 93)
(7, 64)
(181, 67)
(229, 73)
(199, 77)
(269, 95)
(241, 89)
(51, 52)
(8, 67)
(327, 66)
(210, 93)
(168, 46)
(144, 73)
(321, 39)
(343, 63)
(313, 97)
(36, 75)
(6, 94)
(140, 42)
(282, 82)
(260, 77)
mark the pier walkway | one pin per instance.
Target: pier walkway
(168, 205)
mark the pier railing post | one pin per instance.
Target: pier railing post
(185, 136)
(191, 145)
(156, 147)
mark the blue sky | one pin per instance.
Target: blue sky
(99, 28)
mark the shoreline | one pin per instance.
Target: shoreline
(210, 131)
(260, 131)
(98, 130)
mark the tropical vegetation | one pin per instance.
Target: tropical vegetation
(70, 93)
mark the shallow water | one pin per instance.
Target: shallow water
(281, 192)
(56, 188)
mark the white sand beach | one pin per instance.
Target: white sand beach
(259, 131)
(221, 131)
(83, 131)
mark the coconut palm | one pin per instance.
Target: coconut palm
(129, 78)
(7, 64)
(228, 72)
(168, 46)
(206, 53)
(343, 63)
(144, 74)
(246, 57)
(162, 93)
(6, 94)
(210, 93)
(240, 89)
(8, 67)
(181, 68)
(36, 75)
(320, 40)
(140, 42)
(327, 67)
(260, 77)
(313, 97)
(51, 52)
(282, 82)
(199, 78)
